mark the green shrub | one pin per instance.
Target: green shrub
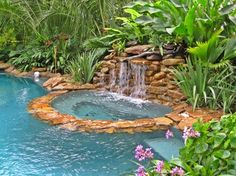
(185, 21)
(53, 53)
(7, 43)
(210, 150)
(214, 153)
(204, 86)
(83, 68)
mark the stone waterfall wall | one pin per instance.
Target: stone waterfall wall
(148, 77)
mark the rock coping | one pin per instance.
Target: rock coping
(42, 109)
(182, 115)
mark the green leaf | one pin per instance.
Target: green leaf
(134, 14)
(227, 9)
(218, 139)
(144, 20)
(189, 23)
(201, 148)
(223, 154)
(233, 142)
(150, 10)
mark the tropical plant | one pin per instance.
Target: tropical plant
(214, 153)
(7, 43)
(54, 54)
(84, 66)
(79, 19)
(215, 52)
(210, 149)
(186, 20)
(204, 86)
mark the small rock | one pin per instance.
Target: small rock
(156, 63)
(138, 49)
(4, 66)
(172, 62)
(175, 94)
(155, 68)
(156, 90)
(186, 122)
(39, 69)
(167, 56)
(159, 83)
(163, 121)
(105, 70)
(154, 57)
(9, 69)
(52, 82)
(140, 61)
(159, 76)
(123, 54)
(174, 116)
(149, 73)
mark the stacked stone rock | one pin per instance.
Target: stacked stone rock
(159, 79)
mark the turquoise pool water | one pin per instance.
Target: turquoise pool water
(31, 147)
(107, 106)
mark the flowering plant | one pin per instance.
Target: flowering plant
(210, 149)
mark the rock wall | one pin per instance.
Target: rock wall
(159, 83)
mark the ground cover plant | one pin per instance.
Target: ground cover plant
(210, 149)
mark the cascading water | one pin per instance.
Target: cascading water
(113, 78)
(124, 78)
(139, 89)
(136, 73)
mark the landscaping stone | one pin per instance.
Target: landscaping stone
(4, 66)
(172, 61)
(186, 122)
(138, 49)
(105, 70)
(154, 57)
(39, 69)
(174, 116)
(175, 94)
(159, 76)
(140, 61)
(52, 82)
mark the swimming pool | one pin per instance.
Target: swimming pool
(31, 147)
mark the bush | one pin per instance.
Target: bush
(210, 150)
(83, 68)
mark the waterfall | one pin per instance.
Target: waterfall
(139, 89)
(131, 79)
(124, 76)
(112, 78)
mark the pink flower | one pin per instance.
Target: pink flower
(177, 171)
(141, 154)
(159, 167)
(140, 171)
(148, 153)
(190, 133)
(169, 134)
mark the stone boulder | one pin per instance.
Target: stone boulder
(4, 66)
(52, 82)
(138, 49)
(173, 61)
